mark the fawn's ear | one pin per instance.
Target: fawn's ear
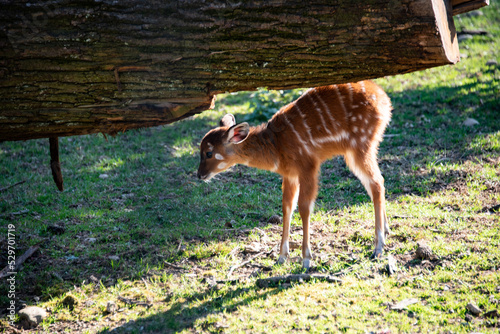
(238, 133)
(228, 120)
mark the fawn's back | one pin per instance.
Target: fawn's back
(327, 121)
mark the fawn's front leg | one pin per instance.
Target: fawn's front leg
(290, 192)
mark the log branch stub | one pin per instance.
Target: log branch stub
(55, 164)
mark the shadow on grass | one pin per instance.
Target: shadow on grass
(183, 316)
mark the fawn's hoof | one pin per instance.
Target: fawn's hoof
(377, 253)
(306, 264)
(281, 260)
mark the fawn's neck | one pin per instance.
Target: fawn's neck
(259, 149)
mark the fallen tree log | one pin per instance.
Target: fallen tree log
(73, 68)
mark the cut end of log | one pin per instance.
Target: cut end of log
(464, 6)
(446, 30)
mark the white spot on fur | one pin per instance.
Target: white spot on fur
(353, 142)
(218, 156)
(210, 146)
(362, 84)
(222, 165)
(354, 129)
(349, 86)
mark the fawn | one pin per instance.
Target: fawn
(347, 119)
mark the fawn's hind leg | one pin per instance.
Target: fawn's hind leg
(365, 167)
(307, 196)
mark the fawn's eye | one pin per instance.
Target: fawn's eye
(209, 155)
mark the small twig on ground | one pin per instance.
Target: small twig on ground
(247, 230)
(12, 185)
(231, 253)
(263, 234)
(271, 250)
(404, 303)
(402, 217)
(145, 283)
(173, 266)
(236, 266)
(347, 270)
(8, 270)
(134, 302)
(179, 247)
(265, 282)
(18, 213)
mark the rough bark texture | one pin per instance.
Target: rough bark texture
(70, 68)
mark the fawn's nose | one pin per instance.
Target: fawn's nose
(200, 175)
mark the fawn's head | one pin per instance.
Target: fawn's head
(217, 147)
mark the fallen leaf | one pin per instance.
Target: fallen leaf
(473, 309)
(470, 122)
(404, 303)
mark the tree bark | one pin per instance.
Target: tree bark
(71, 68)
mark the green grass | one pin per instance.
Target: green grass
(124, 231)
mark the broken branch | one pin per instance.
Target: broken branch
(12, 185)
(275, 280)
(20, 260)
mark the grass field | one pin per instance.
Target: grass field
(135, 227)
